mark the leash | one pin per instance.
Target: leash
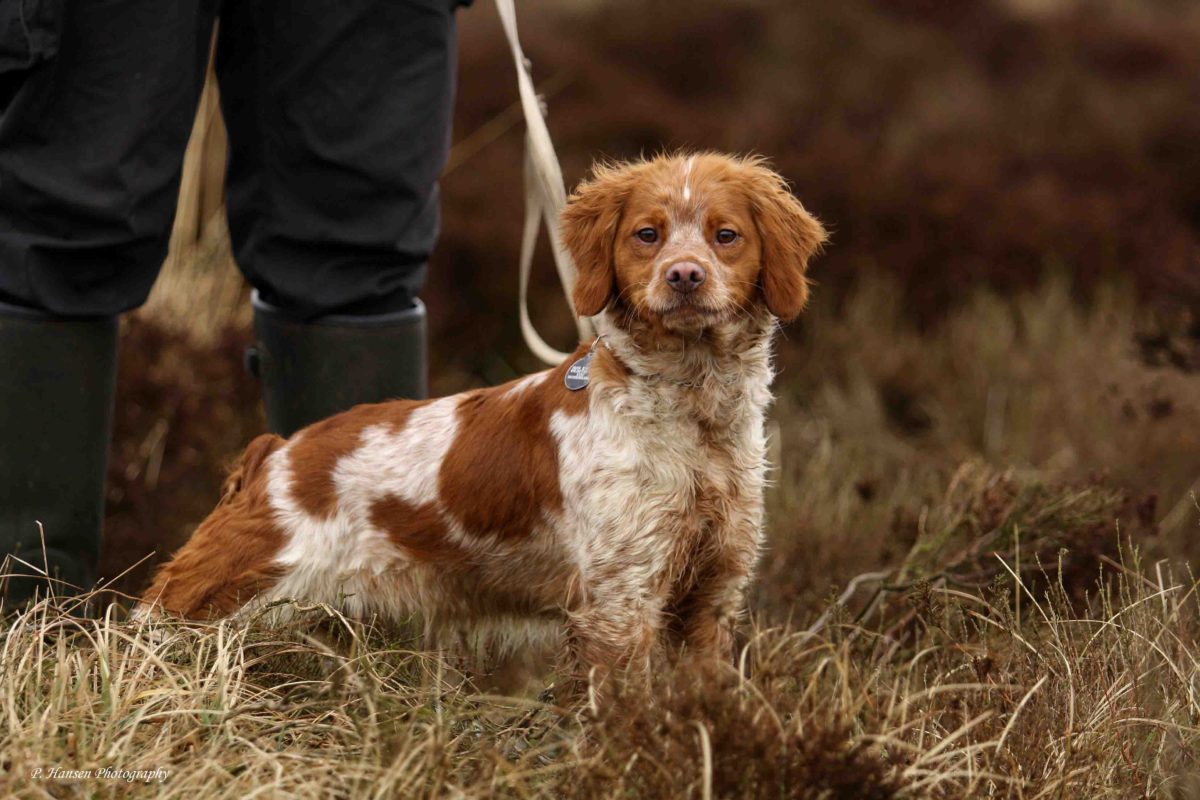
(545, 197)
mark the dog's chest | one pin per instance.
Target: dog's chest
(666, 461)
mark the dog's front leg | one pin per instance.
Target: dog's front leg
(708, 614)
(616, 629)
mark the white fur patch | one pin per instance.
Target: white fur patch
(525, 384)
(341, 559)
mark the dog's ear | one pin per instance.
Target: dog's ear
(790, 237)
(588, 228)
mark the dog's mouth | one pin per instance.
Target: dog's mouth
(689, 314)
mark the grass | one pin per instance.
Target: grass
(966, 430)
(969, 700)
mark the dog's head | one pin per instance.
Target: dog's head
(686, 242)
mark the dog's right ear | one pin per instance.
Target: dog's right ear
(588, 227)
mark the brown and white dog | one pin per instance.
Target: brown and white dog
(617, 512)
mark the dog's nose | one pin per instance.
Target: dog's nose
(685, 276)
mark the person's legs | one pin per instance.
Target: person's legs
(91, 149)
(339, 122)
(95, 112)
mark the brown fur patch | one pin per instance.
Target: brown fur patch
(606, 368)
(501, 473)
(418, 530)
(231, 556)
(318, 448)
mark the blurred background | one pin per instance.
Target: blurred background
(1005, 334)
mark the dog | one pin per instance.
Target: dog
(617, 498)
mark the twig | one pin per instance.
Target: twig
(846, 594)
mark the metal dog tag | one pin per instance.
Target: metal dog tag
(577, 374)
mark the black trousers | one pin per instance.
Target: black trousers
(338, 116)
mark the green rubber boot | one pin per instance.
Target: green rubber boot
(57, 378)
(313, 370)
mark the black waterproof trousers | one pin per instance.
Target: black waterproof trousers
(338, 114)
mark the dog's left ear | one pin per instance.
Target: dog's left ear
(790, 237)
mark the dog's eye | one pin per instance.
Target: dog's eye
(726, 236)
(647, 235)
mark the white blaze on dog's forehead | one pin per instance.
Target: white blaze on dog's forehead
(687, 175)
(685, 212)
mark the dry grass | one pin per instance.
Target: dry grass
(891, 434)
(200, 293)
(973, 701)
(945, 609)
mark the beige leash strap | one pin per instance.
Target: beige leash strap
(545, 196)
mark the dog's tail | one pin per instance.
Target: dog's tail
(248, 467)
(231, 556)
